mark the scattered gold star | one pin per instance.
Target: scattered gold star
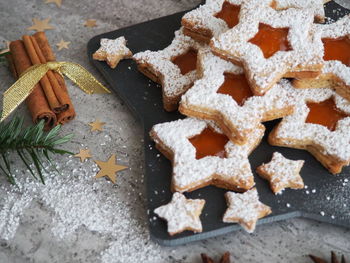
(57, 2)
(62, 44)
(90, 23)
(83, 155)
(109, 168)
(97, 125)
(40, 25)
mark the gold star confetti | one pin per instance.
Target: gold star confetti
(40, 25)
(62, 44)
(90, 23)
(57, 2)
(83, 155)
(97, 125)
(109, 168)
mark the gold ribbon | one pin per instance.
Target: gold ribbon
(22, 88)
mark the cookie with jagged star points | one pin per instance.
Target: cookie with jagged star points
(182, 214)
(223, 94)
(174, 67)
(319, 125)
(217, 16)
(112, 51)
(202, 155)
(336, 71)
(282, 173)
(245, 209)
(272, 44)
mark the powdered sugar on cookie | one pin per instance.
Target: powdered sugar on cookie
(282, 173)
(304, 52)
(182, 214)
(189, 173)
(112, 50)
(161, 65)
(331, 148)
(245, 209)
(237, 121)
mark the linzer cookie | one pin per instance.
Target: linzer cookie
(319, 125)
(173, 67)
(336, 70)
(217, 16)
(112, 51)
(245, 209)
(223, 94)
(282, 173)
(182, 214)
(202, 155)
(272, 44)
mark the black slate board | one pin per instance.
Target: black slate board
(325, 193)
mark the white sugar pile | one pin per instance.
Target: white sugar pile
(78, 200)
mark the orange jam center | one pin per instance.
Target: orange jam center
(209, 143)
(237, 87)
(270, 39)
(229, 13)
(187, 61)
(337, 49)
(325, 113)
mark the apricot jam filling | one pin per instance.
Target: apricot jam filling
(187, 61)
(209, 143)
(270, 39)
(229, 13)
(337, 49)
(237, 87)
(325, 113)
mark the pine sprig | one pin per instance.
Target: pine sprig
(32, 144)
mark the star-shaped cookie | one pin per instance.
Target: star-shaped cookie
(223, 94)
(282, 173)
(173, 67)
(112, 51)
(336, 71)
(272, 44)
(245, 209)
(182, 214)
(217, 16)
(319, 125)
(201, 155)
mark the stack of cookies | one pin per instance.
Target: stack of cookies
(233, 65)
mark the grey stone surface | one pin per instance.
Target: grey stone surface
(35, 239)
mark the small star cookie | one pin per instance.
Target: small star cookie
(272, 44)
(282, 173)
(112, 51)
(245, 209)
(217, 16)
(223, 94)
(173, 67)
(336, 71)
(182, 214)
(202, 155)
(319, 125)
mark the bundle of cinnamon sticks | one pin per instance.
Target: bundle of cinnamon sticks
(49, 100)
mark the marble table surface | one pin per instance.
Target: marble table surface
(76, 218)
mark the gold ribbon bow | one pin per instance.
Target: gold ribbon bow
(21, 89)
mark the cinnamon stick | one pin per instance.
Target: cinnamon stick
(62, 95)
(36, 101)
(45, 83)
